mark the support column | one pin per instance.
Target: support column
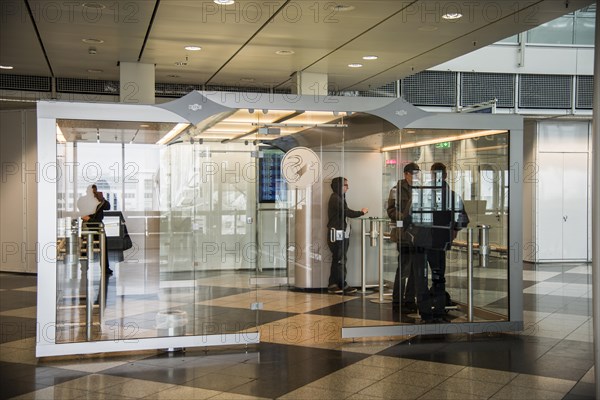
(309, 83)
(136, 83)
(596, 207)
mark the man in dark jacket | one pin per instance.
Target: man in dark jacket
(339, 231)
(398, 209)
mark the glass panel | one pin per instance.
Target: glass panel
(510, 39)
(273, 215)
(461, 183)
(224, 225)
(189, 210)
(584, 30)
(558, 31)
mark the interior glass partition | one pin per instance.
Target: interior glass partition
(189, 209)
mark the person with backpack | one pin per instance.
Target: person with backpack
(448, 217)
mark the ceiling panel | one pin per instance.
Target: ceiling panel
(19, 45)
(239, 41)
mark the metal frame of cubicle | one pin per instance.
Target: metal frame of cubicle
(197, 107)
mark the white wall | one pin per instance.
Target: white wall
(18, 194)
(537, 59)
(555, 148)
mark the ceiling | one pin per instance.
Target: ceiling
(88, 39)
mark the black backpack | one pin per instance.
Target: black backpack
(433, 307)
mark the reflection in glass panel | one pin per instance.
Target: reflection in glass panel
(187, 209)
(477, 171)
(510, 39)
(558, 31)
(585, 28)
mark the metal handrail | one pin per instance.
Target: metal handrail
(376, 235)
(96, 228)
(484, 253)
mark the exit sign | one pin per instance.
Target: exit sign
(443, 145)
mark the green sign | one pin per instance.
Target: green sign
(442, 145)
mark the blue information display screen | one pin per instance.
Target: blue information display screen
(271, 184)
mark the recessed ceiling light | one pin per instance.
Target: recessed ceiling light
(224, 2)
(95, 71)
(427, 28)
(284, 52)
(92, 41)
(193, 48)
(247, 80)
(370, 58)
(6, 67)
(342, 8)
(172, 76)
(451, 16)
(98, 6)
(355, 65)
(144, 126)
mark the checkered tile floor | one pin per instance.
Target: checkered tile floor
(552, 358)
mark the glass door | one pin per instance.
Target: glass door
(225, 249)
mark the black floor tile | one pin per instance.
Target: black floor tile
(19, 379)
(582, 391)
(14, 299)
(270, 370)
(16, 388)
(357, 307)
(17, 281)
(573, 349)
(16, 328)
(505, 352)
(309, 364)
(527, 284)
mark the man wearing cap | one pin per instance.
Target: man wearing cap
(398, 209)
(448, 218)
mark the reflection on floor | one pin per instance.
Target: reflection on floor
(302, 354)
(219, 302)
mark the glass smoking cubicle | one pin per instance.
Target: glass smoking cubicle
(482, 265)
(225, 196)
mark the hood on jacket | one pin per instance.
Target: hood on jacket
(337, 185)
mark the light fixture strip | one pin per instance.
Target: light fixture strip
(60, 137)
(173, 133)
(243, 135)
(454, 138)
(297, 125)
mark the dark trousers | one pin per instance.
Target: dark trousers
(404, 283)
(410, 283)
(437, 264)
(337, 274)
